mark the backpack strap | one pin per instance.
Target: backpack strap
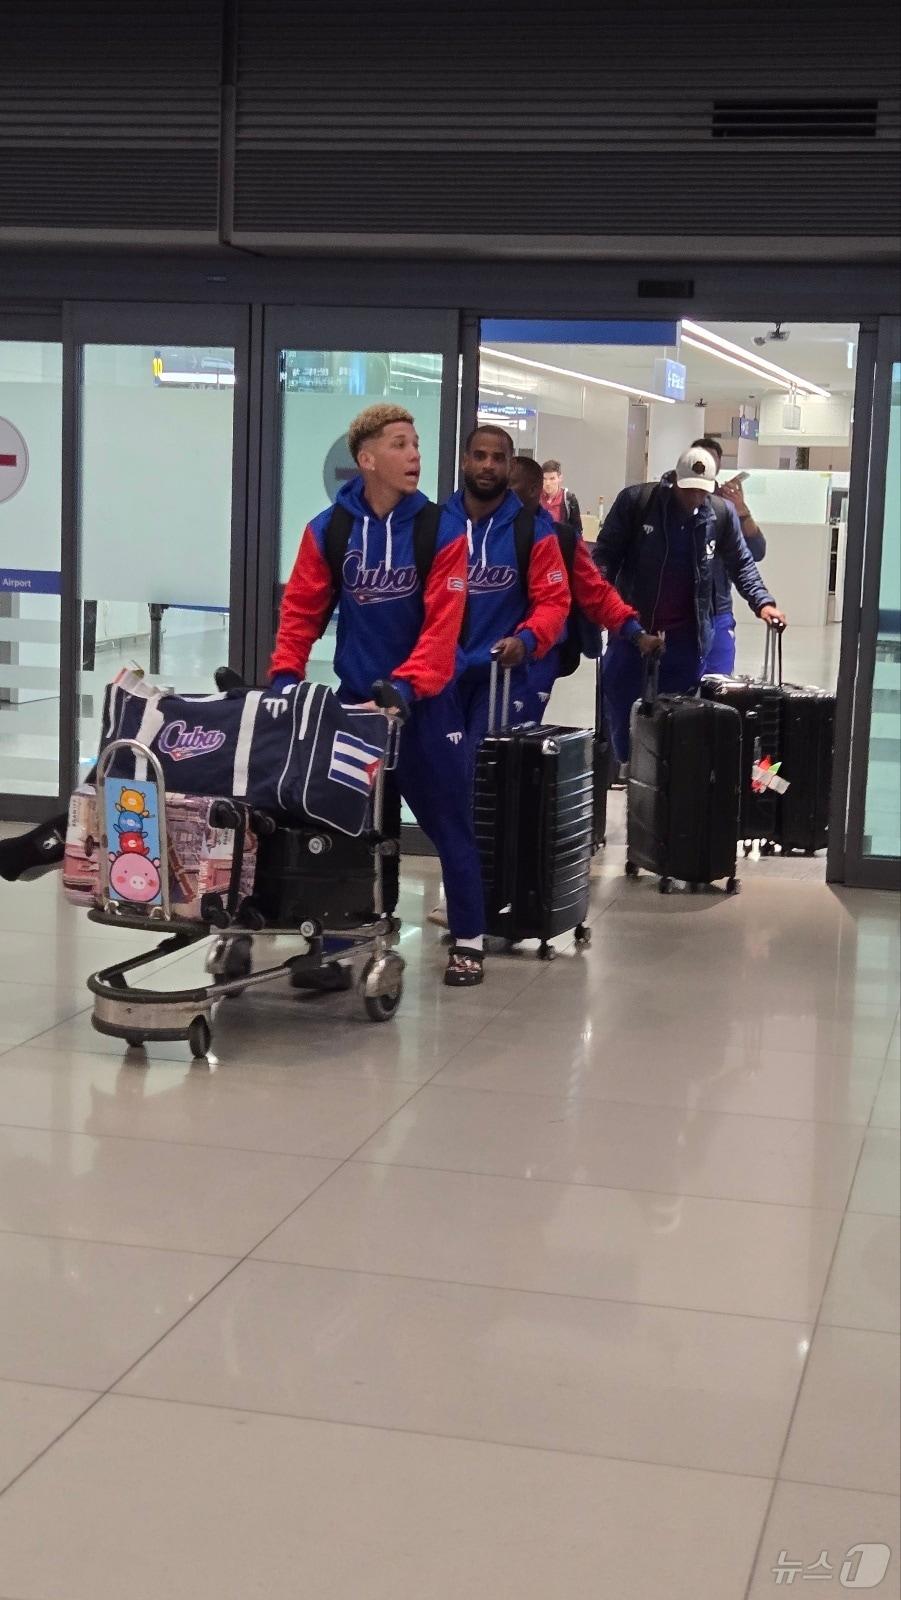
(337, 538)
(425, 540)
(524, 540)
(646, 495)
(566, 538)
(720, 515)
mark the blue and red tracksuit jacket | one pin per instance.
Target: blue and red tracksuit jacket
(498, 605)
(388, 625)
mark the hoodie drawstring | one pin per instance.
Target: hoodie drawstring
(388, 542)
(469, 538)
(365, 542)
(484, 561)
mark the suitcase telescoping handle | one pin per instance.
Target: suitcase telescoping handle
(772, 653)
(650, 680)
(492, 696)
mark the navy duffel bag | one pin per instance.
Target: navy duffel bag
(300, 754)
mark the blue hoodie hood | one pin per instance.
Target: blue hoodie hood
(374, 537)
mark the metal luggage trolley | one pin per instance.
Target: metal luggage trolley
(363, 955)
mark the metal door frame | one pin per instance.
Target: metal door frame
(40, 326)
(846, 861)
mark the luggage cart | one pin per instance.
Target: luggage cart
(363, 956)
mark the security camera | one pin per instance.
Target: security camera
(777, 335)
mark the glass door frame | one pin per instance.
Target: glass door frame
(331, 328)
(878, 351)
(145, 323)
(39, 327)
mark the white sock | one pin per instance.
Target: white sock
(470, 944)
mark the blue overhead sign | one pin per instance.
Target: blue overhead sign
(669, 378)
(745, 428)
(23, 580)
(566, 330)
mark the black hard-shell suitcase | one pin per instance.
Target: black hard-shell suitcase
(603, 761)
(790, 726)
(683, 790)
(759, 702)
(808, 728)
(533, 821)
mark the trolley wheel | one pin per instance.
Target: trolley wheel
(810, 852)
(583, 935)
(200, 1037)
(693, 888)
(230, 959)
(768, 848)
(665, 886)
(631, 870)
(381, 1007)
(733, 885)
(546, 952)
(747, 847)
(135, 1041)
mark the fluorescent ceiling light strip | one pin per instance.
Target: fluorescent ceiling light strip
(758, 363)
(734, 361)
(483, 389)
(222, 379)
(418, 377)
(583, 377)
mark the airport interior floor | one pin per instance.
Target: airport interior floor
(581, 1284)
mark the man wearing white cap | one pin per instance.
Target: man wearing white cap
(658, 546)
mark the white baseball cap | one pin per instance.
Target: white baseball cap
(696, 469)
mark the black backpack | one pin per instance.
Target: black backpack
(583, 638)
(425, 541)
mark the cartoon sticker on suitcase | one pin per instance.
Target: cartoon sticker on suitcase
(133, 842)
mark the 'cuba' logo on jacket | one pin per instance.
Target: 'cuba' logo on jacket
(491, 580)
(181, 742)
(374, 585)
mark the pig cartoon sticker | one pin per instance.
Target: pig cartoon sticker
(134, 878)
(133, 801)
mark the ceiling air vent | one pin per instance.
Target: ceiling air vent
(795, 119)
(666, 288)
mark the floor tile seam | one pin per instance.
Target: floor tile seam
(322, 1080)
(840, 1488)
(797, 1323)
(46, 1383)
(58, 1023)
(53, 1442)
(189, 1144)
(571, 1183)
(817, 1324)
(640, 1105)
(120, 1244)
(425, 1433)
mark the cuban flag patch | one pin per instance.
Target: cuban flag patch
(354, 763)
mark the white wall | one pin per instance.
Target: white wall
(671, 430)
(592, 449)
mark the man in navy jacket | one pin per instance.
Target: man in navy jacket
(659, 545)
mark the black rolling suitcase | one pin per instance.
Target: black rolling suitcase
(603, 762)
(533, 821)
(759, 702)
(808, 728)
(683, 791)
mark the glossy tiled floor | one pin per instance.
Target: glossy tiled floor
(583, 1285)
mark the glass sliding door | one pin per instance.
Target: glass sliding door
(321, 368)
(872, 852)
(157, 525)
(30, 506)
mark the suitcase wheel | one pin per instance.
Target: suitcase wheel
(733, 885)
(693, 888)
(631, 870)
(200, 1037)
(546, 952)
(665, 886)
(583, 935)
